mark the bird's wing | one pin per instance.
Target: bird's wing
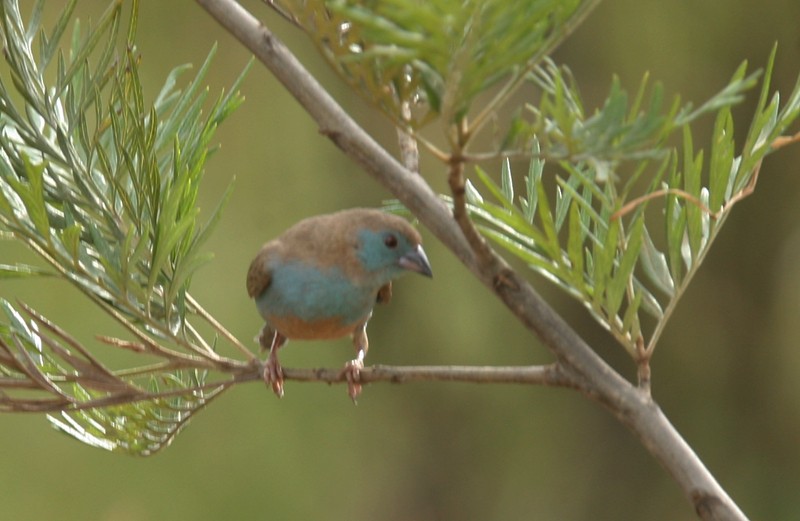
(385, 293)
(259, 276)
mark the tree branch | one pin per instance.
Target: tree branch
(575, 359)
(548, 375)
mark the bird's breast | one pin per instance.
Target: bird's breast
(306, 302)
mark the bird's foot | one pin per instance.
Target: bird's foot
(352, 371)
(272, 373)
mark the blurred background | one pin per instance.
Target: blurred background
(725, 372)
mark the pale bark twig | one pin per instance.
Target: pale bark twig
(548, 375)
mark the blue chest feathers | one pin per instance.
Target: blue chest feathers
(312, 294)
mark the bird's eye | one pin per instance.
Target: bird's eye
(390, 241)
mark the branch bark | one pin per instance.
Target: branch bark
(575, 359)
(547, 375)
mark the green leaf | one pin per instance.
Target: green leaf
(543, 265)
(169, 95)
(16, 323)
(622, 276)
(551, 245)
(5, 206)
(564, 199)
(654, 264)
(630, 320)
(721, 162)
(473, 196)
(589, 216)
(32, 196)
(532, 181)
(496, 191)
(603, 255)
(70, 239)
(20, 271)
(675, 236)
(509, 223)
(731, 94)
(507, 182)
(692, 183)
(575, 246)
(649, 303)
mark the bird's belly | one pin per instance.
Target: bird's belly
(299, 329)
(306, 303)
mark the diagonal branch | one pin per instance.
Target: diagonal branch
(635, 409)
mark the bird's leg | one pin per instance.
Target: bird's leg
(352, 369)
(272, 372)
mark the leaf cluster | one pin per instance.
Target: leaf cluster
(103, 187)
(44, 369)
(434, 56)
(596, 238)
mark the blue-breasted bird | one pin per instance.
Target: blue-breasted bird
(321, 278)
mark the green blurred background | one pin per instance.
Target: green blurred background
(725, 372)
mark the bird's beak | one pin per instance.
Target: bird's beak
(416, 261)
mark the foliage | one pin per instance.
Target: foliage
(103, 188)
(435, 56)
(595, 239)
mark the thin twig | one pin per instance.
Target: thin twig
(219, 327)
(136, 347)
(638, 201)
(548, 375)
(747, 191)
(31, 369)
(437, 152)
(96, 366)
(286, 15)
(782, 141)
(483, 253)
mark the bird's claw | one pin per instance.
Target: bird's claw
(273, 376)
(352, 371)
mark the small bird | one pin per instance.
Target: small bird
(321, 278)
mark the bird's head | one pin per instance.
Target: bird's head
(389, 246)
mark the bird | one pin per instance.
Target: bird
(321, 278)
